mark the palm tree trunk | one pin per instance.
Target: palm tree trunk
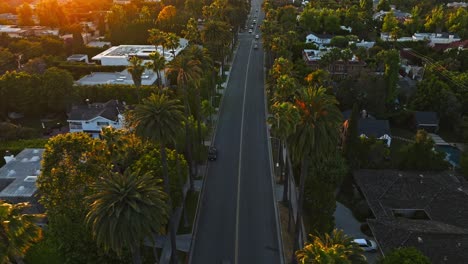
(158, 73)
(286, 179)
(304, 171)
(138, 93)
(172, 231)
(188, 138)
(136, 254)
(199, 117)
(167, 188)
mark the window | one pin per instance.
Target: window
(76, 125)
(103, 123)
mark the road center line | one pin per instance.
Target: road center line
(240, 158)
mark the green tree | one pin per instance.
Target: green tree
(126, 209)
(18, 231)
(435, 19)
(391, 61)
(117, 22)
(136, 70)
(186, 70)
(216, 37)
(57, 89)
(157, 38)
(339, 42)
(51, 13)
(191, 32)
(414, 24)
(334, 248)
(383, 5)
(167, 18)
(316, 134)
(420, 154)
(159, 119)
(157, 64)
(458, 22)
(464, 163)
(351, 140)
(390, 25)
(404, 256)
(285, 88)
(25, 14)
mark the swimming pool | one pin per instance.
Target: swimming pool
(453, 154)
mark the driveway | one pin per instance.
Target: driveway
(345, 221)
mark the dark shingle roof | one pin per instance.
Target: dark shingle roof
(426, 118)
(109, 110)
(373, 127)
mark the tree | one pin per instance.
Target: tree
(383, 5)
(316, 134)
(286, 117)
(157, 64)
(71, 164)
(334, 248)
(351, 140)
(285, 88)
(57, 89)
(390, 25)
(126, 209)
(191, 32)
(51, 13)
(404, 256)
(25, 14)
(216, 37)
(186, 70)
(159, 120)
(166, 18)
(420, 154)
(414, 24)
(391, 60)
(157, 38)
(117, 22)
(464, 163)
(435, 19)
(458, 22)
(339, 42)
(136, 69)
(18, 231)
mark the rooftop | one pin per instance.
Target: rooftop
(426, 118)
(18, 177)
(109, 110)
(148, 78)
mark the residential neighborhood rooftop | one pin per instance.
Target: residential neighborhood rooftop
(148, 78)
(109, 110)
(18, 176)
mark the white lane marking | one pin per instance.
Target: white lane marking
(240, 158)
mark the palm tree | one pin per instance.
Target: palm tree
(17, 231)
(159, 119)
(157, 64)
(285, 88)
(216, 37)
(316, 134)
(157, 38)
(171, 41)
(186, 70)
(334, 248)
(286, 117)
(126, 209)
(136, 69)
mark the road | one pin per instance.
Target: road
(237, 221)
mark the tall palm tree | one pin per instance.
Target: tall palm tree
(216, 36)
(126, 209)
(136, 69)
(334, 248)
(17, 231)
(157, 38)
(157, 64)
(159, 119)
(186, 70)
(316, 134)
(171, 41)
(284, 125)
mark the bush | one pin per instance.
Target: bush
(9, 131)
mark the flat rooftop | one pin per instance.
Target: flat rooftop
(148, 78)
(18, 177)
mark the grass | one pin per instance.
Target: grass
(190, 208)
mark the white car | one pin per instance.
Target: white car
(257, 36)
(366, 244)
(250, 30)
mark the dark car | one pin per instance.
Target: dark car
(212, 153)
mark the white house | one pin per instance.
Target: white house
(436, 38)
(321, 39)
(91, 118)
(118, 55)
(12, 31)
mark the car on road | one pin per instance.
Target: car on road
(250, 30)
(366, 244)
(212, 153)
(254, 21)
(257, 36)
(256, 46)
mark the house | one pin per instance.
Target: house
(425, 210)
(18, 176)
(399, 15)
(147, 78)
(428, 121)
(457, 4)
(12, 31)
(118, 55)
(320, 39)
(368, 126)
(78, 58)
(312, 59)
(436, 38)
(91, 118)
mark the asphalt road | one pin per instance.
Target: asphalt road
(237, 221)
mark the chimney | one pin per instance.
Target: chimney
(8, 156)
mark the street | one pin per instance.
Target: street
(237, 222)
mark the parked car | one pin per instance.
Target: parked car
(212, 153)
(366, 244)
